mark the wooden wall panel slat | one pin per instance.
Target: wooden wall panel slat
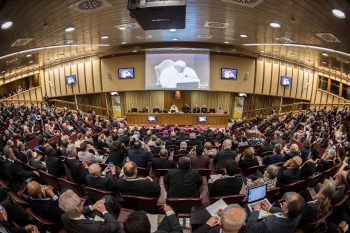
(81, 77)
(96, 75)
(259, 76)
(89, 76)
(267, 77)
(274, 86)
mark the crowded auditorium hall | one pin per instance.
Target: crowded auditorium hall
(171, 116)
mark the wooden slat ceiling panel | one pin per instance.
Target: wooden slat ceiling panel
(311, 17)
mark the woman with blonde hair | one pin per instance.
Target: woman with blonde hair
(88, 136)
(208, 149)
(152, 140)
(320, 205)
(247, 160)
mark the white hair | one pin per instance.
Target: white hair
(68, 202)
(233, 217)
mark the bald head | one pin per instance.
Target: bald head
(130, 169)
(340, 179)
(95, 170)
(34, 190)
(293, 148)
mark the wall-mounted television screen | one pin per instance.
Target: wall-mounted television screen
(71, 79)
(202, 119)
(227, 73)
(286, 81)
(152, 118)
(126, 72)
(177, 71)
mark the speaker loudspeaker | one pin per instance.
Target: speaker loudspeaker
(246, 76)
(109, 76)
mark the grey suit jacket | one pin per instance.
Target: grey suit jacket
(277, 141)
(85, 155)
(272, 224)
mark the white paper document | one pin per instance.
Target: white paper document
(213, 209)
(215, 177)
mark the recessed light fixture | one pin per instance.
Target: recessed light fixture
(30, 61)
(243, 35)
(324, 54)
(338, 13)
(172, 30)
(104, 37)
(227, 42)
(275, 25)
(300, 61)
(124, 42)
(69, 29)
(219, 51)
(324, 62)
(6, 25)
(3, 71)
(62, 54)
(134, 51)
(28, 55)
(262, 51)
(175, 39)
(292, 55)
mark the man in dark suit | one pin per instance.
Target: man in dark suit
(186, 108)
(123, 137)
(78, 170)
(196, 109)
(327, 162)
(44, 202)
(54, 164)
(15, 174)
(222, 156)
(276, 156)
(289, 172)
(308, 168)
(267, 146)
(193, 141)
(204, 109)
(142, 158)
(277, 139)
(212, 110)
(65, 129)
(48, 132)
(27, 134)
(106, 180)
(228, 184)
(133, 109)
(80, 218)
(172, 141)
(162, 162)
(138, 220)
(145, 186)
(158, 147)
(291, 214)
(183, 182)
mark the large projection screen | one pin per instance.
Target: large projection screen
(177, 71)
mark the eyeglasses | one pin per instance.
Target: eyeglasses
(81, 203)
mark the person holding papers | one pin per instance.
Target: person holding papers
(228, 184)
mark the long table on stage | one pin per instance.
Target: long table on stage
(220, 120)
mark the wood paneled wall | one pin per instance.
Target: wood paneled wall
(27, 96)
(169, 99)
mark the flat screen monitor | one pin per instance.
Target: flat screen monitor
(177, 71)
(227, 73)
(71, 79)
(202, 119)
(152, 118)
(126, 73)
(286, 81)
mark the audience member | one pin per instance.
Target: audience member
(269, 178)
(106, 180)
(84, 154)
(142, 158)
(78, 170)
(222, 156)
(289, 172)
(162, 162)
(247, 159)
(198, 158)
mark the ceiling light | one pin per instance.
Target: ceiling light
(3, 71)
(243, 35)
(275, 25)
(172, 30)
(227, 42)
(124, 42)
(122, 27)
(69, 29)
(262, 51)
(324, 62)
(219, 51)
(134, 51)
(324, 54)
(175, 39)
(30, 61)
(292, 55)
(104, 37)
(6, 25)
(28, 55)
(338, 13)
(62, 54)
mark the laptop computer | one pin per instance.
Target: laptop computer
(188, 85)
(256, 196)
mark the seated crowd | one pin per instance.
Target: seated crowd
(116, 159)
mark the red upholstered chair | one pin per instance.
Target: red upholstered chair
(272, 194)
(148, 204)
(177, 157)
(160, 172)
(33, 143)
(229, 199)
(266, 153)
(44, 222)
(340, 202)
(252, 170)
(97, 194)
(63, 230)
(183, 204)
(56, 139)
(46, 178)
(123, 215)
(143, 172)
(312, 181)
(308, 226)
(296, 186)
(77, 188)
(73, 137)
(205, 172)
(242, 148)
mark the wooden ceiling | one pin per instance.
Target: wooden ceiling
(300, 20)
